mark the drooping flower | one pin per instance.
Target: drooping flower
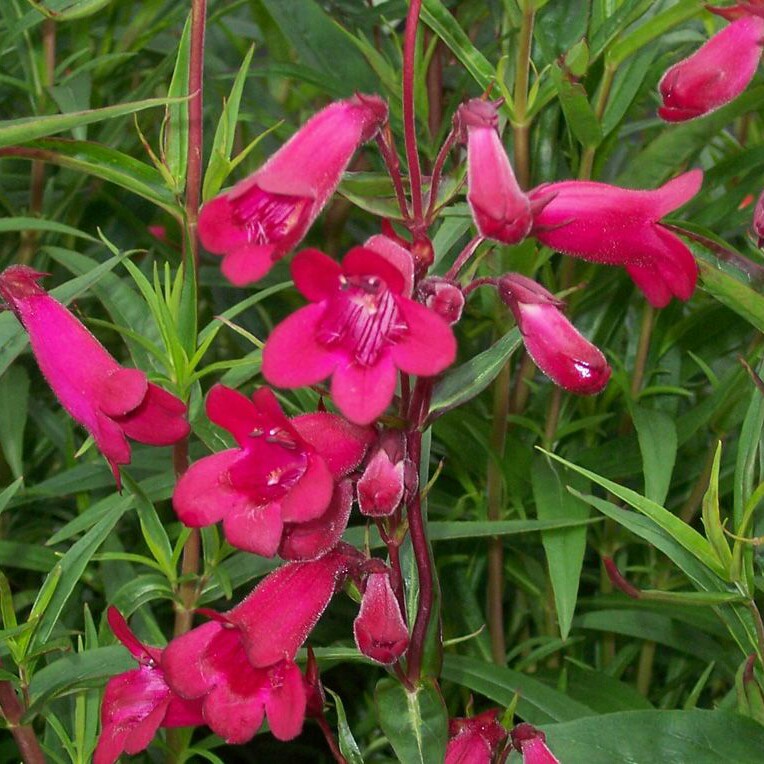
(380, 631)
(619, 226)
(554, 344)
(266, 215)
(531, 742)
(241, 665)
(137, 703)
(476, 739)
(112, 402)
(500, 209)
(282, 472)
(715, 74)
(360, 329)
(382, 485)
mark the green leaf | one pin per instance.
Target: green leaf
(564, 548)
(73, 565)
(175, 127)
(733, 293)
(461, 384)
(415, 723)
(222, 144)
(75, 671)
(69, 10)
(688, 537)
(9, 492)
(348, 746)
(16, 554)
(37, 224)
(105, 163)
(444, 23)
(712, 520)
(656, 432)
(15, 131)
(14, 399)
(538, 704)
(669, 737)
(626, 84)
(578, 112)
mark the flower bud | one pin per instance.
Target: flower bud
(758, 219)
(444, 297)
(380, 488)
(532, 744)
(380, 631)
(475, 740)
(554, 344)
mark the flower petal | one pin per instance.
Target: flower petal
(254, 528)
(315, 274)
(121, 391)
(341, 444)
(218, 230)
(232, 411)
(362, 393)
(428, 346)
(236, 718)
(160, 419)
(203, 495)
(310, 495)
(291, 356)
(248, 263)
(285, 701)
(183, 661)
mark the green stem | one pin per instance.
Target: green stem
(520, 128)
(645, 332)
(587, 156)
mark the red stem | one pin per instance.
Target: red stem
(23, 734)
(330, 741)
(195, 124)
(437, 172)
(409, 119)
(464, 256)
(386, 145)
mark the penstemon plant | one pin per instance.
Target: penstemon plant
(272, 515)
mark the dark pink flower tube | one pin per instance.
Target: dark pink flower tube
(137, 703)
(531, 742)
(619, 226)
(266, 215)
(500, 209)
(554, 344)
(112, 402)
(476, 739)
(380, 631)
(758, 219)
(283, 472)
(360, 329)
(715, 74)
(380, 488)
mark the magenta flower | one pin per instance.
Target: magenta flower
(619, 226)
(380, 631)
(360, 329)
(112, 402)
(531, 742)
(475, 740)
(715, 74)
(500, 209)
(266, 215)
(554, 344)
(137, 703)
(444, 297)
(282, 472)
(758, 219)
(241, 665)
(380, 488)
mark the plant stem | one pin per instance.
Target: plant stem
(494, 499)
(437, 172)
(409, 118)
(330, 740)
(23, 734)
(521, 128)
(643, 349)
(37, 186)
(464, 256)
(587, 156)
(195, 127)
(386, 145)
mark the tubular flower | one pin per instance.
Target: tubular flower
(758, 219)
(619, 226)
(554, 344)
(360, 328)
(380, 631)
(137, 703)
(112, 402)
(500, 209)
(532, 744)
(266, 215)
(716, 73)
(475, 740)
(241, 665)
(282, 472)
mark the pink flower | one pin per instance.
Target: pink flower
(619, 226)
(112, 402)
(532, 744)
(137, 703)
(444, 297)
(360, 328)
(553, 343)
(715, 74)
(380, 631)
(241, 665)
(475, 740)
(283, 471)
(500, 209)
(266, 215)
